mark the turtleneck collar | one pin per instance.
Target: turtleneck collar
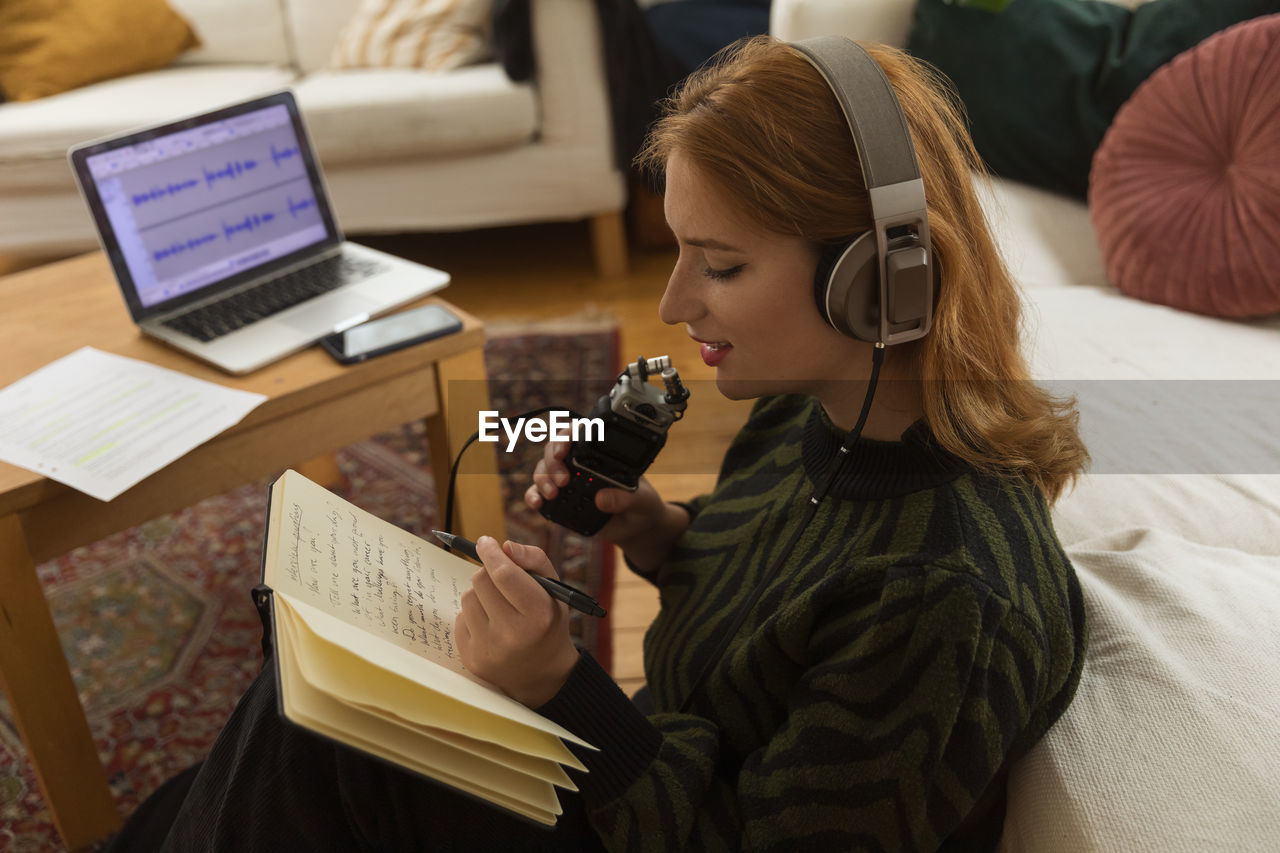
(876, 470)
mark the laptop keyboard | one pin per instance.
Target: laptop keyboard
(271, 297)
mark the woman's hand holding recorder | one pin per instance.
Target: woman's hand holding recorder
(644, 525)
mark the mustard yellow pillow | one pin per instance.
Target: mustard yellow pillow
(50, 46)
(435, 35)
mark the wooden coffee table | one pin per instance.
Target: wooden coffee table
(314, 406)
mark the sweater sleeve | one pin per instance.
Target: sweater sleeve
(693, 507)
(907, 704)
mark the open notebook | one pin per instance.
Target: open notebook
(360, 615)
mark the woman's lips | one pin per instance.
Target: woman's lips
(713, 354)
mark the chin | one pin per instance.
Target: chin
(750, 389)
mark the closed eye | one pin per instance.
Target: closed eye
(722, 274)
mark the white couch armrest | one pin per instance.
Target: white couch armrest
(886, 21)
(571, 77)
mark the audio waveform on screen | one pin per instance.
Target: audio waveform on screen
(231, 171)
(178, 248)
(280, 155)
(159, 192)
(250, 223)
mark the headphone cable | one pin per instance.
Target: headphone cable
(453, 472)
(877, 359)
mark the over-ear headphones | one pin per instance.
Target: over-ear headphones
(879, 287)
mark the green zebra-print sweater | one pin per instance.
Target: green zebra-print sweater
(925, 630)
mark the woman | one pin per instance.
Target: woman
(858, 679)
(926, 628)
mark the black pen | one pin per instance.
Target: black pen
(579, 601)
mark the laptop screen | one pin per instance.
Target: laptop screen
(205, 201)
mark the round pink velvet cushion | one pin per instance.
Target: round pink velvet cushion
(1184, 191)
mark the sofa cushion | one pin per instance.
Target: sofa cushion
(50, 46)
(36, 135)
(1185, 188)
(1042, 79)
(436, 35)
(371, 113)
(1046, 238)
(1170, 743)
(220, 24)
(1088, 333)
(1159, 391)
(1240, 511)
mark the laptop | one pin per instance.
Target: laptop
(222, 238)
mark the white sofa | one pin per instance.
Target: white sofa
(1173, 741)
(402, 150)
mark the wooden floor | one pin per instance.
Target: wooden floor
(545, 272)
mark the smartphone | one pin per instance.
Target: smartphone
(390, 333)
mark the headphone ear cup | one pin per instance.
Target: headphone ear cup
(822, 276)
(846, 289)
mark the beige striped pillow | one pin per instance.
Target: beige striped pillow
(436, 35)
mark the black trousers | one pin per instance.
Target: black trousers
(268, 785)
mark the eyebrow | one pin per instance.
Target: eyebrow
(712, 244)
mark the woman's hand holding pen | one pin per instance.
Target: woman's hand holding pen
(510, 632)
(643, 524)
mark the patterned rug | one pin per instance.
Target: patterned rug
(157, 623)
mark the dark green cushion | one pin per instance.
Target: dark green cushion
(1042, 79)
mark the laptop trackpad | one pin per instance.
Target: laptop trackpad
(323, 315)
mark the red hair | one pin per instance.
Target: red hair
(766, 129)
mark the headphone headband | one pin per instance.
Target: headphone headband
(904, 259)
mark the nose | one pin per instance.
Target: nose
(681, 302)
